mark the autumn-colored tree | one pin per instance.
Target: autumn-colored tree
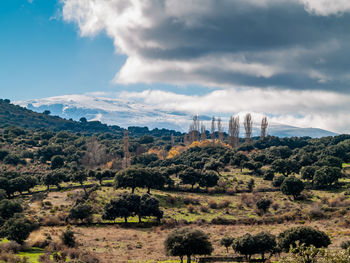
(248, 126)
(264, 124)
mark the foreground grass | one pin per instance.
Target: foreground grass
(32, 255)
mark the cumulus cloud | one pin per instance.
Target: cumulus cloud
(288, 44)
(322, 109)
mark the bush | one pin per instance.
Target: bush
(68, 238)
(269, 175)
(278, 180)
(345, 244)
(263, 204)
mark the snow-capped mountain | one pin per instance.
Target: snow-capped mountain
(131, 112)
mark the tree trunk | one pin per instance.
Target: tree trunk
(140, 219)
(149, 190)
(133, 190)
(188, 258)
(48, 188)
(181, 259)
(126, 220)
(100, 181)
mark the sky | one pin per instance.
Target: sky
(287, 59)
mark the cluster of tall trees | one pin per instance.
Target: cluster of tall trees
(197, 130)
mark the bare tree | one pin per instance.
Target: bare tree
(126, 160)
(95, 154)
(248, 126)
(213, 130)
(235, 131)
(220, 131)
(186, 139)
(230, 131)
(264, 124)
(203, 132)
(194, 129)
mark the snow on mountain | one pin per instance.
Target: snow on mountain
(131, 112)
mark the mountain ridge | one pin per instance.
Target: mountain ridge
(125, 113)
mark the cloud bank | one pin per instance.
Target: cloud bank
(288, 44)
(321, 109)
(285, 58)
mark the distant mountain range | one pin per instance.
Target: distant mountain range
(125, 113)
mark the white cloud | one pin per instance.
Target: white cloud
(319, 109)
(221, 43)
(327, 7)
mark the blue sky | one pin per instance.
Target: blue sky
(287, 59)
(42, 55)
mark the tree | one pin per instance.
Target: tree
(292, 186)
(285, 166)
(214, 165)
(188, 242)
(227, 241)
(68, 238)
(248, 126)
(308, 172)
(208, 179)
(330, 161)
(304, 235)
(326, 176)
(17, 229)
(190, 176)
(149, 206)
(260, 243)
(57, 161)
(53, 178)
(80, 177)
(265, 243)
(131, 177)
(264, 124)
(153, 178)
(123, 206)
(245, 245)
(9, 208)
(81, 212)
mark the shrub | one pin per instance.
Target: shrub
(278, 180)
(263, 204)
(68, 238)
(345, 244)
(269, 175)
